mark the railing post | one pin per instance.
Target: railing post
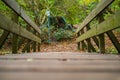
(82, 42)
(38, 43)
(101, 36)
(88, 40)
(15, 37)
(90, 47)
(114, 40)
(34, 44)
(78, 44)
(28, 41)
(3, 38)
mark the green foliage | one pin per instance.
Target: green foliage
(111, 50)
(45, 31)
(57, 35)
(5, 10)
(62, 34)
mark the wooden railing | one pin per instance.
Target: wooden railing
(31, 39)
(95, 33)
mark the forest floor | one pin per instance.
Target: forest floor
(71, 45)
(63, 46)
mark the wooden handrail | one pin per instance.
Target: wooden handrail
(14, 6)
(11, 26)
(101, 6)
(109, 24)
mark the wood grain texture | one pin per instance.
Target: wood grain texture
(60, 66)
(18, 9)
(100, 7)
(11, 26)
(107, 25)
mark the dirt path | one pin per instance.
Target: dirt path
(64, 46)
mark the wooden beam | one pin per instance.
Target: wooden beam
(39, 47)
(9, 25)
(20, 42)
(114, 40)
(78, 44)
(101, 43)
(89, 44)
(96, 41)
(26, 47)
(83, 44)
(3, 38)
(15, 37)
(109, 24)
(101, 6)
(101, 36)
(94, 38)
(18, 9)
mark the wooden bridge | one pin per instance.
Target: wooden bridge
(60, 65)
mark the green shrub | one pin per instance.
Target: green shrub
(55, 34)
(61, 34)
(45, 31)
(111, 50)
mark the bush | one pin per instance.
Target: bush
(55, 34)
(61, 34)
(45, 33)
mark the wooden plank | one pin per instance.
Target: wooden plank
(34, 44)
(63, 66)
(90, 47)
(39, 47)
(78, 44)
(101, 43)
(96, 41)
(101, 6)
(32, 65)
(3, 38)
(58, 76)
(66, 69)
(9, 25)
(109, 24)
(26, 47)
(83, 44)
(15, 44)
(60, 56)
(114, 40)
(101, 36)
(58, 62)
(21, 42)
(18, 9)
(89, 44)
(15, 37)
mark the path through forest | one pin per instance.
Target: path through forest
(63, 46)
(71, 45)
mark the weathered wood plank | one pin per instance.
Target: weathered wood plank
(89, 44)
(109, 24)
(101, 6)
(83, 44)
(78, 44)
(114, 40)
(3, 38)
(46, 65)
(58, 76)
(18, 9)
(101, 36)
(15, 37)
(60, 69)
(60, 56)
(9, 25)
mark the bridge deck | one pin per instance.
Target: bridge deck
(60, 66)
